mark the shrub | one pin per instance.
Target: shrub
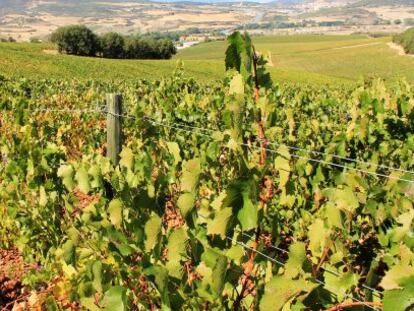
(113, 45)
(406, 40)
(166, 49)
(147, 48)
(76, 40)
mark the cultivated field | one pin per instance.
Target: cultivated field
(331, 57)
(304, 59)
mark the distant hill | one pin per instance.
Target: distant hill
(374, 3)
(13, 4)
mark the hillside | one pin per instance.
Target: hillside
(315, 60)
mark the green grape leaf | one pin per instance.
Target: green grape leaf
(177, 245)
(334, 216)
(213, 268)
(392, 278)
(219, 274)
(160, 275)
(69, 254)
(400, 299)
(282, 164)
(89, 304)
(340, 285)
(42, 197)
(97, 276)
(186, 203)
(280, 290)
(317, 237)
(82, 178)
(235, 253)
(344, 199)
(152, 232)
(218, 226)
(115, 299)
(247, 215)
(66, 173)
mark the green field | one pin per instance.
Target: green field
(304, 59)
(330, 58)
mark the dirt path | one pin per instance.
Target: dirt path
(399, 49)
(51, 52)
(356, 46)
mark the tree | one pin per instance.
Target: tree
(139, 48)
(113, 45)
(76, 40)
(166, 49)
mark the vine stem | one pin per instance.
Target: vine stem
(347, 305)
(247, 272)
(21, 298)
(250, 264)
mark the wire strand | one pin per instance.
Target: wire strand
(341, 157)
(67, 110)
(323, 154)
(296, 156)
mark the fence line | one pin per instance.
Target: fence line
(293, 155)
(178, 125)
(312, 152)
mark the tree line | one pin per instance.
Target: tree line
(82, 41)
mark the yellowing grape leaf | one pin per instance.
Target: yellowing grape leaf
(297, 257)
(237, 85)
(392, 278)
(317, 235)
(82, 178)
(127, 158)
(174, 149)
(115, 212)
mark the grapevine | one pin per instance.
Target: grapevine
(210, 207)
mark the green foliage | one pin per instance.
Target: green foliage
(242, 56)
(112, 45)
(176, 231)
(148, 48)
(406, 40)
(76, 40)
(80, 40)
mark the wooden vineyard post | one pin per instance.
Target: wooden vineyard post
(114, 127)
